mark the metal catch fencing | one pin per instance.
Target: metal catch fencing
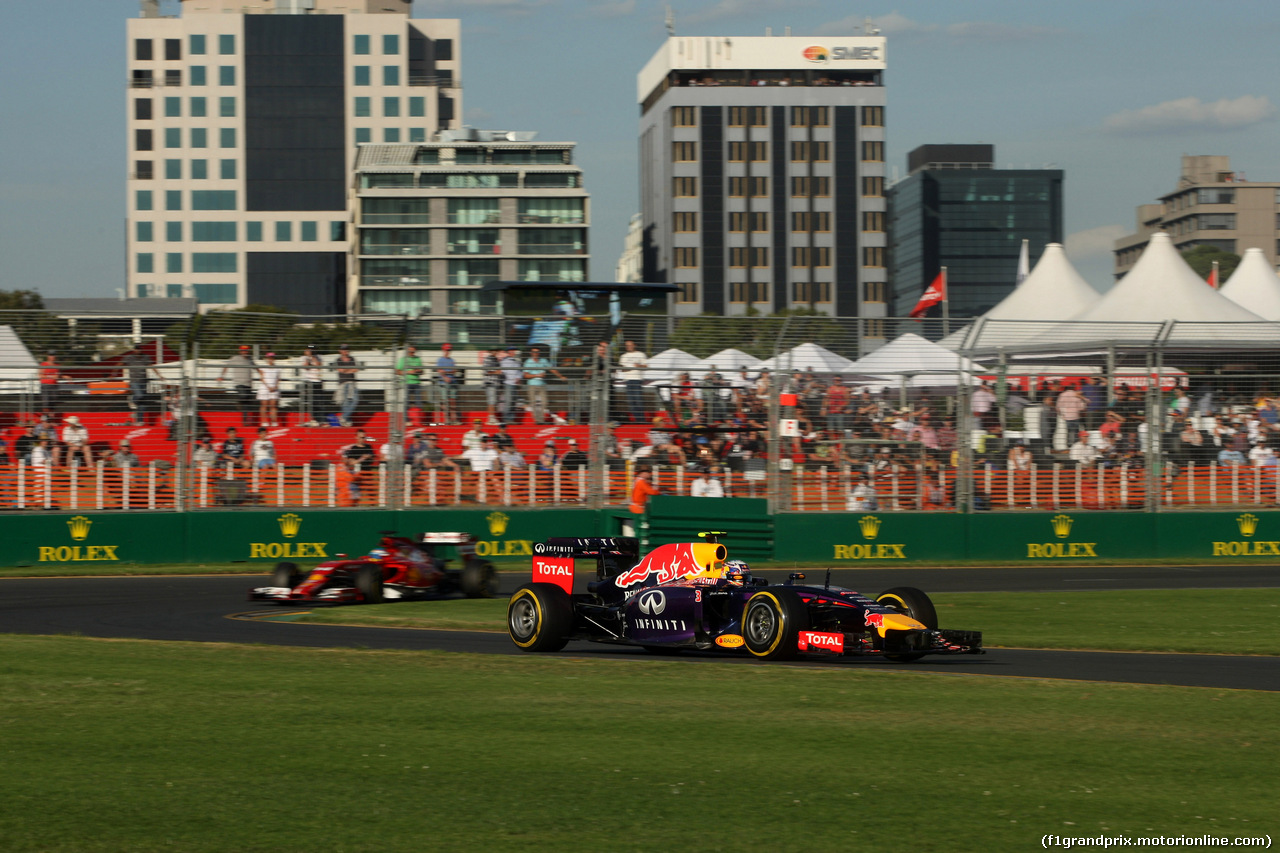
(248, 409)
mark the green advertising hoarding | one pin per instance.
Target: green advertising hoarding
(846, 539)
(92, 537)
(1045, 537)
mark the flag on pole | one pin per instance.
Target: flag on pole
(934, 294)
(1213, 276)
(1024, 264)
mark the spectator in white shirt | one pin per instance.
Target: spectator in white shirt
(632, 365)
(76, 439)
(263, 450)
(1261, 454)
(705, 486)
(1082, 452)
(484, 457)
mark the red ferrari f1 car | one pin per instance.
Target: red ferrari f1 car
(400, 568)
(689, 595)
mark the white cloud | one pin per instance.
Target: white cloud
(1191, 114)
(727, 10)
(1093, 243)
(896, 24)
(614, 9)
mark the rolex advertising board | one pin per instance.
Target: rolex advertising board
(850, 538)
(1220, 535)
(1079, 537)
(89, 537)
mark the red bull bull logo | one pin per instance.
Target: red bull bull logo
(666, 563)
(874, 620)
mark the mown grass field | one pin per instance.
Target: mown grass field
(145, 746)
(1221, 621)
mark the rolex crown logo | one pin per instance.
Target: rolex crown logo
(870, 526)
(79, 527)
(497, 522)
(290, 524)
(1061, 525)
(1248, 524)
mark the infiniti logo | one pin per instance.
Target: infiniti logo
(653, 603)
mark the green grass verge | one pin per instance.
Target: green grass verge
(144, 746)
(1223, 621)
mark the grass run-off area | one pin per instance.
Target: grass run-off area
(115, 745)
(1222, 621)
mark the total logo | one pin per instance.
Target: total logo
(821, 641)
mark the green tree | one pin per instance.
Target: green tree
(1201, 260)
(220, 333)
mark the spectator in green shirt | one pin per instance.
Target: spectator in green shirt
(409, 368)
(536, 369)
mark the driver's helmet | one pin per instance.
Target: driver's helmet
(736, 571)
(379, 554)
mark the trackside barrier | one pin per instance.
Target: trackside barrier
(263, 537)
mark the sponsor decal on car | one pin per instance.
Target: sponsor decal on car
(556, 570)
(666, 563)
(821, 641)
(660, 624)
(730, 641)
(874, 620)
(653, 602)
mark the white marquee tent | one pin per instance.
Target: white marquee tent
(1255, 286)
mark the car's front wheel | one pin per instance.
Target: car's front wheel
(772, 622)
(912, 602)
(286, 574)
(369, 583)
(540, 617)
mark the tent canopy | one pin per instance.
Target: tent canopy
(814, 357)
(920, 361)
(1255, 286)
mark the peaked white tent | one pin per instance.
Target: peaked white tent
(18, 367)
(919, 361)
(1255, 286)
(1052, 291)
(667, 365)
(729, 361)
(813, 357)
(1161, 286)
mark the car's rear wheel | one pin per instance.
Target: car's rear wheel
(771, 624)
(479, 579)
(286, 574)
(540, 617)
(912, 602)
(369, 583)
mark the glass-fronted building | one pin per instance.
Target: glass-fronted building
(243, 123)
(437, 221)
(956, 210)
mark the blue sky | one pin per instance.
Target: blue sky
(1113, 93)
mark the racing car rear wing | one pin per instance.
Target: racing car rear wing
(564, 546)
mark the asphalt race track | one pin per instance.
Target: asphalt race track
(197, 609)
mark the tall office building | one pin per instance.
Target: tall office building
(1212, 206)
(762, 174)
(955, 209)
(243, 121)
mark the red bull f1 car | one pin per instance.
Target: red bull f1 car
(690, 596)
(400, 568)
